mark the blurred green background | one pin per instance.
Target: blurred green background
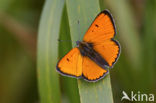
(136, 32)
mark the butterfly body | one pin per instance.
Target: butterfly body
(86, 49)
(95, 54)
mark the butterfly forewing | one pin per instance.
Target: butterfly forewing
(71, 63)
(101, 29)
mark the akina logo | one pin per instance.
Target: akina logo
(137, 96)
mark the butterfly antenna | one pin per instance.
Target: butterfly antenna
(59, 40)
(78, 22)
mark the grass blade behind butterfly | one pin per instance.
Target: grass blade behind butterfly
(81, 14)
(69, 85)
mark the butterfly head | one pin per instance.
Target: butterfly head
(83, 44)
(84, 47)
(77, 43)
(80, 45)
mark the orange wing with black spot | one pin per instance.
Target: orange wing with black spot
(71, 64)
(101, 29)
(101, 34)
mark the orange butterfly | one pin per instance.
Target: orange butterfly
(98, 51)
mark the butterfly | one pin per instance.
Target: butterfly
(97, 52)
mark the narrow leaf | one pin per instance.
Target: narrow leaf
(69, 85)
(48, 51)
(81, 13)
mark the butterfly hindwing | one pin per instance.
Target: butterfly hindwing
(91, 71)
(71, 63)
(109, 50)
(101, 29)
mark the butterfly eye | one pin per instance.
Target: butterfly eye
(77, 43)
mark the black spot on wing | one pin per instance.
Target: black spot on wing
(67, 59)
(96, 25)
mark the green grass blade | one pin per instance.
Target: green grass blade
(149, 42)
(5, 4)
(80, 17)
(69, 85)
(48, 51)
